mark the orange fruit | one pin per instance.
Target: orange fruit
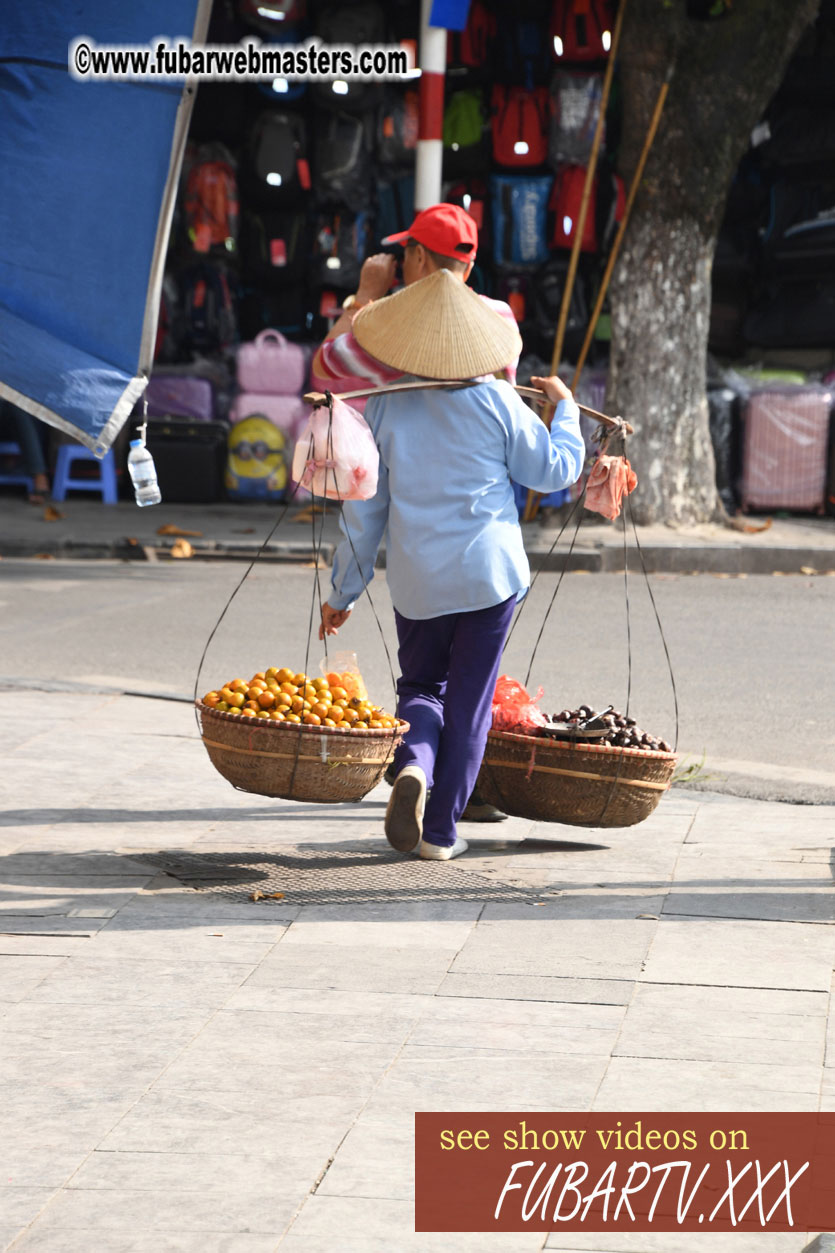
(350, 716)
(289, 688)
(320, 683)
(247, 713)
(284, 675)
(266, 700)
(338, 692)
(321, 708)
(235, 700)
(360, 725)
(283, 699)
(211, 699)
(297, 704)
(271, 673)
(262, 713)
(375, 724)
(222, 706)
(300, 678)
(276, 715)
(292, 718)
(328, 722)
(312, 720)
(253, 705)
(332, 678)
(238, 685)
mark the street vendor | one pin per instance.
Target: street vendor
(456, 561)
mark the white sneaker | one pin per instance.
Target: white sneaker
(403, 823)
(441, 852)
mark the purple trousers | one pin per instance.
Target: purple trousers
(448, 671)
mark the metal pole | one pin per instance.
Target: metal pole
(430, 146)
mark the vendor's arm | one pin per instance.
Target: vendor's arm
(376, 277)
(363, 523)
(547, 460)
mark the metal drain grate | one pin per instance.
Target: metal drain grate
(347, 874)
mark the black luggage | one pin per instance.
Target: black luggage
(190, 458)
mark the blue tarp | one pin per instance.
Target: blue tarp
(89, 170)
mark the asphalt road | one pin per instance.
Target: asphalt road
(752, 657)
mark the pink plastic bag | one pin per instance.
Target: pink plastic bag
(514, 709)
(338, 458)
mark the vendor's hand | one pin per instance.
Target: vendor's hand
(332, 620)
(553, 387)
(376, 276)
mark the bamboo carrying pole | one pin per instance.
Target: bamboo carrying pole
(532, 393)
(531, 506)
(579, 227)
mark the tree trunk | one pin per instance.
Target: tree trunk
(722, 75)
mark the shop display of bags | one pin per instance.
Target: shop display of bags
(339, 247)
(275, 246)
(464, 133)
(189, 458)
(257, 460)
(785, 432)
(208, 312)
(397, 127)
(181, 396)
(211, 200)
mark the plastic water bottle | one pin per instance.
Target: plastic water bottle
(143, 474)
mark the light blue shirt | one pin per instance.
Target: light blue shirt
(444, 499)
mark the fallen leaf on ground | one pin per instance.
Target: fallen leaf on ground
(808, 570)
(44, 556)
(51, 514)
(243, 530)
(181, 548)
(307, 514)
(750, 528)
(256, 896)
(168, 528)
(276, 896)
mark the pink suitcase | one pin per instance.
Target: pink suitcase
(272, 365)
(286, 412)
(180, 396)
(784, 453)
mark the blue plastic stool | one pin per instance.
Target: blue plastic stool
(16, 477)
(63, 482)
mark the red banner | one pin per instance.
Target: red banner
(625, 1172)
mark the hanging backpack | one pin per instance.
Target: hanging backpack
(208, 311)
(549, 287)
(211, 200)
(397, 127)
(343, 161)
(339, 247)
(576, 100)
(464, 133)
(565, 202)
(520, 208)
(279, 90)
(581, 30)
(280, 174)
(521, 56)
(516, 289)
(272, 16)
(520, 126)
(346, 26)
(469, 51)
(395, 205)
(275, 246)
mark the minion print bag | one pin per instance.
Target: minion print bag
(257, 460)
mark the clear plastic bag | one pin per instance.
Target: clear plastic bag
(337, 457)
(514, 709)
(342, 670)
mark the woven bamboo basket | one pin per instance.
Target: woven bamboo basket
(579, 784)
(297, 762)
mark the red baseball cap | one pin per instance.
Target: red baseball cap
(444, 228)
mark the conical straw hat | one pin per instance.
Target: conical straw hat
(437, 328)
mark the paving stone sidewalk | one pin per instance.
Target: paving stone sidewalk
(183, 1068)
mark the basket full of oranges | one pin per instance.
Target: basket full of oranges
(286, 734)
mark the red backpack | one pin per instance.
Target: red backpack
(581, 30)
(211, 204)
(520, 126)
(470, 47)
(565, 200)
